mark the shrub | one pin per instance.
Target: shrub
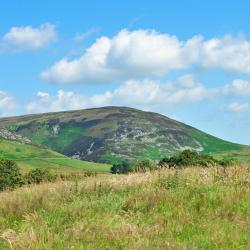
(121, 168)
(10, 176)
(133, 166)
(188, 158)
(142, 165)
(227, 162)
(38, 175)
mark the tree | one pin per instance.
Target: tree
(10, 176)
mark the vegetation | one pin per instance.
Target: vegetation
(125, 167)
(121, 168)
(189, 208)
(10, 176)
(186, 158)
(39, 175)
(192, 158)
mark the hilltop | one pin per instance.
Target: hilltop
(108, 134)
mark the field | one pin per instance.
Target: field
(194, 208)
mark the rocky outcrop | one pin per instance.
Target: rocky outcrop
(10, 135)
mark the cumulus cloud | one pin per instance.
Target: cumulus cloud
(239, 107)
(148, 92)
(143, 54)
(44, 102)
(128, 55)
(27, 38)
(228, 53)
(141, 94)
(7, 103)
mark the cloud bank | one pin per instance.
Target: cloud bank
(143, 54)
(142, 94)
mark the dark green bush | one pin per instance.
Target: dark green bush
(227, 162)
(133, 166)
(38, 175)
(121, 168)
(188, 158)
(10, 176)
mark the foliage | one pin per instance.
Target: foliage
(142, 165)
(126, 166)
(227, 162)
(121, 168)
(188, 158)
(10, 176)
(39, 175)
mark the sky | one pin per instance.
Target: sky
(188, 60)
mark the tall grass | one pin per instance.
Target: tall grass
(192, 208)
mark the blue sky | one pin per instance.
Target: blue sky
(189, 60)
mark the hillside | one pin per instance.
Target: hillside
(110, 133)
(29, 155)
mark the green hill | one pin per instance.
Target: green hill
(110, 133)
(29, 155)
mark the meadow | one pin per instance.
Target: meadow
(191, 208)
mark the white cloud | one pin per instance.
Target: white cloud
(60, 102)
(237, 88)
(142, 54)
(7, 103)
(239, 107)
(144, 94)
(155, 93)
(27, 38)
(42, 94)
(128, 55)
(140, 94)
(228, 53)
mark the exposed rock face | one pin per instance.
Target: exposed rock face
(10, 135)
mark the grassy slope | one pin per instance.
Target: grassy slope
(30, 156)
(194, 209)
(220, 148)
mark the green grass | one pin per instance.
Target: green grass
(212, 144)
(153, 153)
(67, 136)
(30, 156)
(193, 208)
